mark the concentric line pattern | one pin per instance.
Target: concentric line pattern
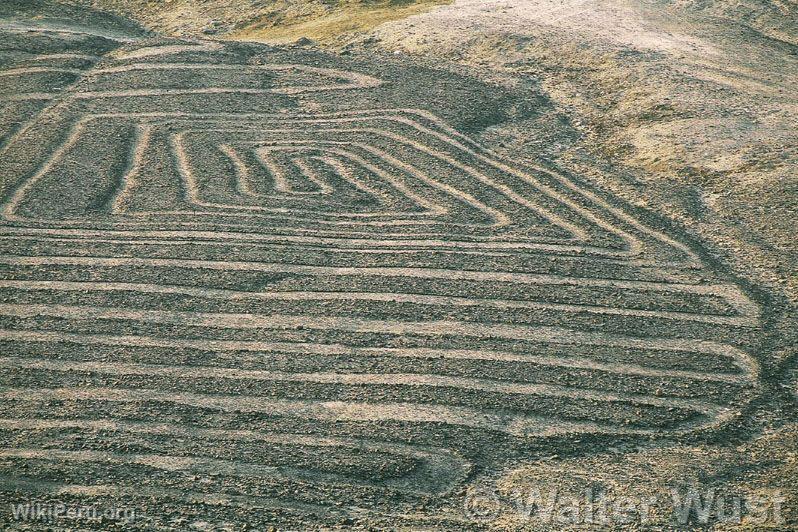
(323, 307)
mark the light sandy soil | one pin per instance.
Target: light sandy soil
(255, 20)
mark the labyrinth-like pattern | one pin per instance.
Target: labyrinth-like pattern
(201, 283)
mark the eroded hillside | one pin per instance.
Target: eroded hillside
(272, 20)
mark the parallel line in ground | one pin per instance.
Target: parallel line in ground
(389, 297)
(730, 292)
(210, 466)
(315, 349)
(433, 328)
(370, 379)
(510, 423)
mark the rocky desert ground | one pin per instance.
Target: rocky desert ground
(274, 265)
